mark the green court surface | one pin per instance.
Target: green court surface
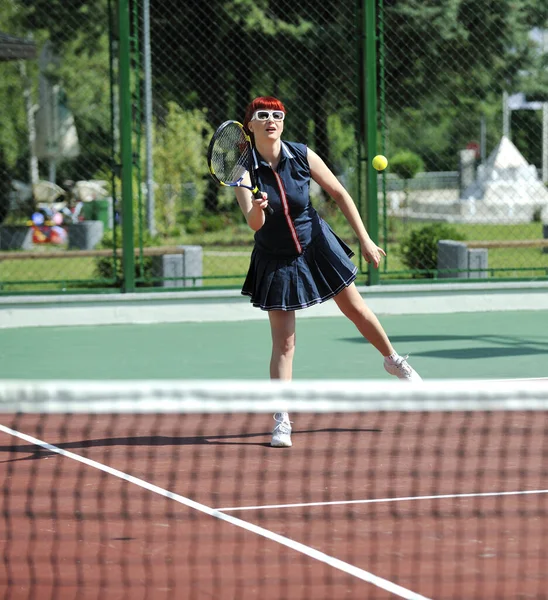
(442, 346)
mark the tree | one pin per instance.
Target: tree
(78, 31)
(447, 63)
(4, 187)
(179, 150)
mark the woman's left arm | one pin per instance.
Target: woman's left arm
(324, 177)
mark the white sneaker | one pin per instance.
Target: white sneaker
(402, 369)
(281, 434)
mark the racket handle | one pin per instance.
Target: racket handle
(268, 210)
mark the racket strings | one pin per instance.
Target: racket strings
(230, 154)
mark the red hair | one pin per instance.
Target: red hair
(268, 102)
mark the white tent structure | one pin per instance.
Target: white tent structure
(507, 189)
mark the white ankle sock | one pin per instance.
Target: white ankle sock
(282, 416)
(393, 358)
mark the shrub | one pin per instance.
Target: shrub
(406, 164)
(419, 250)
(105, 266)
(206, 222)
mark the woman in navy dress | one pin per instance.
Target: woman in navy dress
(297, 260)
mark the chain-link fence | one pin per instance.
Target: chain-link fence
(208, 60)
(464, 121)
(462, 117)
(57, 146)
(194, 65)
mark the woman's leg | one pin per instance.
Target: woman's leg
(353, 306)
(282, 327)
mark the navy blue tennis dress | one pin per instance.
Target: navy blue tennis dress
(297, 260)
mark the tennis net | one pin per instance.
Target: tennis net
(171, 490)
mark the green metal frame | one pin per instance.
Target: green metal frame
(382, 115)
(126, 144)
(370, 81)
(137, 104)
(114, 167)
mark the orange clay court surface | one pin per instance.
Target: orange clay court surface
(375, 507)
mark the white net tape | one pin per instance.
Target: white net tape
(270, 396)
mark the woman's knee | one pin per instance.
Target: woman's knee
(282, 325)
(355, 311)
(284, 345)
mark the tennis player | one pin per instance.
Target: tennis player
(297, 260)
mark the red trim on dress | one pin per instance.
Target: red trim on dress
(285, 205)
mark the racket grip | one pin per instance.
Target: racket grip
(268, 210)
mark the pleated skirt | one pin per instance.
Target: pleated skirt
(291, 283)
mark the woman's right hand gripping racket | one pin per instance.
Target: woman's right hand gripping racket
(230, 156)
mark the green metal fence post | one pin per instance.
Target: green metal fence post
(370, 79)
(128, 258)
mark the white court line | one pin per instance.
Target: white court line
(297, 546)
(381, 500)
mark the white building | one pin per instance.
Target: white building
(507, 189)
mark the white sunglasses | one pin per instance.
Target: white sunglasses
(265, 115)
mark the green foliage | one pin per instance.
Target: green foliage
(342, 153)
(419, 250)
(12, 132)
(180, 168)
(107, 267)
(4, 187)
(78, 32)
(13, 138)
(440, 34)
(205, 223)
(447, 65)
(406, 164)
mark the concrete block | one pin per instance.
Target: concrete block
(452, 255)
(478, 263)
(179, 266)
(15, 237)
(85, 235)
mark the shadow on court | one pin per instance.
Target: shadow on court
(37, 452)
(486, 352)
(498, 346)
(492, 339)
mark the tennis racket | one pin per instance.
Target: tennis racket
(229, 158)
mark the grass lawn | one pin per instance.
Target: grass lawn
(512, 262)
(226, 256)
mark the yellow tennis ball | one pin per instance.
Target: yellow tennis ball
(379, 162)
